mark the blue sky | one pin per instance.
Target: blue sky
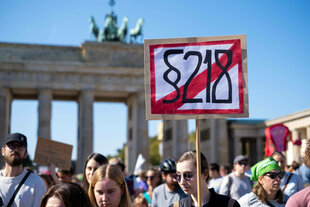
(277, 42)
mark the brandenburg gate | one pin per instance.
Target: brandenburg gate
(113, 72)
(93, 72)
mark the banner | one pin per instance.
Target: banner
(276, 136)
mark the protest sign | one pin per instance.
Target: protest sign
(51, 152)
(195, 78)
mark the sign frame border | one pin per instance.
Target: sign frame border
(147, 76)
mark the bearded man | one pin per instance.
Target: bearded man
(169, 192)
(18, 187)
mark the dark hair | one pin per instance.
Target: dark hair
(214, 166)
(157, 173)
(69, 172)
(295, 165)
(99, 158)
(191, 155)
(277, 153)
(70, 194)
(48, 180)
(118, 162)
(226, 167)
(66, 172)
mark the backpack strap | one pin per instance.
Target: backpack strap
(231, 202)
(288, 180)
(17, 189)
(269, 204)
(229, 184)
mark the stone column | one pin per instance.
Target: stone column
(222, 147)
(44, 112)
(137, 137)
(85, 128)
(213, 140)
(175, 141)
(5, 117)
(308, 133)
(237, 147)
(296, 149)
(259, 146)
(179, 138)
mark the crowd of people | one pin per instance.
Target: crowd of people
(174, 183)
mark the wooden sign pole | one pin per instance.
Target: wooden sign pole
(198, 161)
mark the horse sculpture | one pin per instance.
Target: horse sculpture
(93, 27)
(110, 32)
(137, 31)
(122, 31)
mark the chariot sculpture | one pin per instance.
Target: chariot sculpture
(110, 31)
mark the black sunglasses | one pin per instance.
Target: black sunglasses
(151, 177)
(243, 163)
(13, 146)
(273, 175)
(187, 176)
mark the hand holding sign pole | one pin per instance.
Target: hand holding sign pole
(196, 78)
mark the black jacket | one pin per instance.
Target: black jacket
(216, 200)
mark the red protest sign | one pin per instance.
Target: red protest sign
(196, 77)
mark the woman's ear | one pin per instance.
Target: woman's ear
(260, 180)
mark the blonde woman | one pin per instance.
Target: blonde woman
(186, 176)
(108, 188)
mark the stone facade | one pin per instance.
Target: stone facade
(92, 72)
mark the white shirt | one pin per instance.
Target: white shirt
(30, 193)
(238, 187)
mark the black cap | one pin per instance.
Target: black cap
(16, 137)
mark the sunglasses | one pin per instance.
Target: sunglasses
(243, 163)
(13, 146)
(273, 175)
(150, 177)
(186, 176)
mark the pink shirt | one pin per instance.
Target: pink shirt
(300, 199)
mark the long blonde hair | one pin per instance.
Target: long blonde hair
(110, 172)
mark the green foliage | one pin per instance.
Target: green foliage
(192, 140)
(154, 151)
(120, 153)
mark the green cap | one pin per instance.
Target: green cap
(263, 167)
